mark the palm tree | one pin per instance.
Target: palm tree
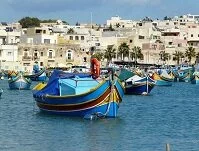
(110, 53)
(190, 52)
(164, 56)
(177, 56)
(136, 54)
(70, 31)
(123, 50)
(98, 55)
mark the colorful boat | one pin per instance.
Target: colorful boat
(184, 76)
(19, 82)
(139, 85)
(76, 94)
(195, 78)
(37, 76)
(162, 79)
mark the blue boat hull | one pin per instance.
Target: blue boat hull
(139, 90)
(102, 100)
(142, 86)
(19, 83)
(99, 111)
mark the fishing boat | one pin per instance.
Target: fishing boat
(80, 94)
(162, 78)
(184, 76)
(37, 76)
(19, 82)
(139, 85)
(195, 78)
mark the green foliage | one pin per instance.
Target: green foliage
(177, 56)
(164, 56)
(190, 52)
(110, 53)
(48, 21)
(71, 31)
(98, 55)
(27, 22)
(65, 22)
(123, 50)
(137, 53)
(167, 18)
(77, 24)
(147, 19)
(111, 28)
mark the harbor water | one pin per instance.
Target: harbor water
(144, 123)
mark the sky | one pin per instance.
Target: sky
(80, 11)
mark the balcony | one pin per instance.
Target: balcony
(51, 58)
(69, 60)
(26, 58)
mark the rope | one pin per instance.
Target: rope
(103, 115)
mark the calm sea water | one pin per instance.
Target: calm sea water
(145, 123)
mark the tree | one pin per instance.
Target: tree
(77, 24)
(48, 21)
(70, 31)
(27, 22)
(190, 52)
(177, 56)
(123, 50)
(147, 19)
(167, 18)
(65, 22)
(164, 56)
(111, 28)
(110, 53)
(98, 55)
(136, 54)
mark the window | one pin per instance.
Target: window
(141, 37)
(97, 44)
(42, 54)
(82, 37)
(41, 63)
(50, 54)
(191, 35)
(170, 43)
(69, 54)
(38, 31)
(71, 37)
(85, 59)
(47, 41)
(76, 38)
(130, 41)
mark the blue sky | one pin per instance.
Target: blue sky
(74, 11)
